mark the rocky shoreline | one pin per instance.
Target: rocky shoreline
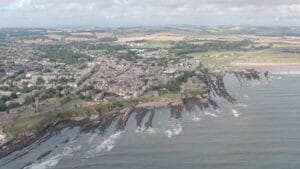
(213, 81)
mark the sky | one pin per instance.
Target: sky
(126, 13)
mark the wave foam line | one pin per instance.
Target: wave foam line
(106, 145)
(53, 160)
(242, 105)
(109, 143)
(235, 113)
(206, 113)
(196, 118)
(144, 130)
(174, 131)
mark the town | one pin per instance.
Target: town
(47, 72)
(153, 84)
(41, 75)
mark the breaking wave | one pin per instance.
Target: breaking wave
(148, 130)
(107, 144)
(235, 113)
(255, 83)
(174, 131)
(219, 110)
(92, 138)
(53, 160)
(246, 96)
(196, 118)
(206, 113)
(242, 105)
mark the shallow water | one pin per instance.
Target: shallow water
(261, 132)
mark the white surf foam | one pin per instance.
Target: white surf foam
(246, 96)
(106, 145)
(242, 105)
(174, 131)
(255, 83)
(151, 130)
(92, 137)
(109, 143)
(275, 77)
(144, 130)
(139, 130)
(235, 113)
(196, 118)
(206, 113)
(219, 110)
(53, 160)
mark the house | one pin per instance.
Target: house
(171, 72)
(5, 93)
(3, 137)
(29, 75)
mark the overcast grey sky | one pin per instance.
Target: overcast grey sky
(108, 13)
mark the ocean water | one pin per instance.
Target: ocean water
(261, 131)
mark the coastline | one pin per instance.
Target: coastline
(23, 141)
(86, 124)
(102, 115)
(272, 67)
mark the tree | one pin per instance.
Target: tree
(63, 80)
(3, 107)
(4, 99)
(13, 95)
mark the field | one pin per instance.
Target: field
(251, 57)
(278, 50)
(152, 37)
(222, 49)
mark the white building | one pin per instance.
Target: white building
(3, 137)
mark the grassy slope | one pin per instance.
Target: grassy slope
(36, 123)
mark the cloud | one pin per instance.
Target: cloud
(43, 13)
(14, 5)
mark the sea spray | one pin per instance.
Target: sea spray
(176, 130)
(195, 118)
(242, 105)
(109, 143)
(246, 96)
(276, 77)
(255, 83)
(106, 145)
(144, 130)
(206, 113)
(53, 160)
(92, 137)
(139, 129)
(151, 130)
(219, 110)
(235, 113)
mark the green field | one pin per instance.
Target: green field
(210, 59)
(158, 44)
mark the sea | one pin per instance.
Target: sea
(260, 131)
